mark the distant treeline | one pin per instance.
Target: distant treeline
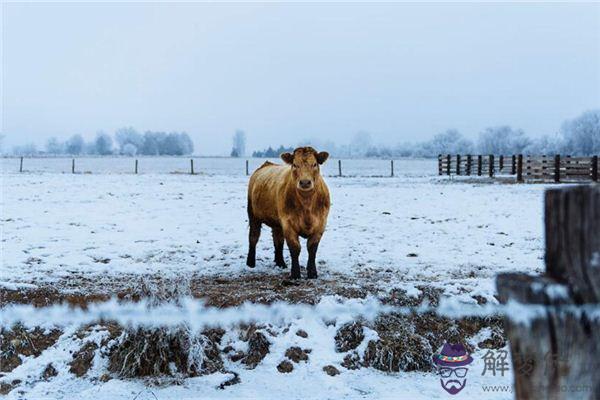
(271, 152)
(127, 141)
(579, 136)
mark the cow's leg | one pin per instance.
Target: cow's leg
(313, 245)
(278, 241)
(293, 243)
(253, 239)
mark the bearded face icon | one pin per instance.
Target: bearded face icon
(451, 364)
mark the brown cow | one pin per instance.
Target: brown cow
(293, 200)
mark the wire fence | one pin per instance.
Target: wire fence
(197, 315)
(210, 166)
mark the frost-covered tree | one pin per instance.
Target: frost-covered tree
(103, 144)
(54, 146)
(360, 144)
(239, 144)
(545, 145)
(129, 150)
(128, 138)
(152, 143)
(502, 140)
(74, 145)
(582, 134)
(29, 149)
(448, 142)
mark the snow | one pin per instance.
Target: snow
(101, 226)
(408, 231)
(307, 380)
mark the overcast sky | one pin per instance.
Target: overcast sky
(284, 72)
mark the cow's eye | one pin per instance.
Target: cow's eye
(294, 166)
(314, 165)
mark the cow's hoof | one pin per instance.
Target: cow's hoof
(295, 276)
(251, 263)
(281, 264)
(311, 276)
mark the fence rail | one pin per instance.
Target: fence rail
(527, 168)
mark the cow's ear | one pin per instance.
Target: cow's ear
(287, 157)
(322, 157)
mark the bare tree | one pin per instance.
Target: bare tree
(104, 144)
(582, 134)
(75, 145)
(239, 144)
(503, 140)
(54, 146)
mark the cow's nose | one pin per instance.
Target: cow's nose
(305, 183)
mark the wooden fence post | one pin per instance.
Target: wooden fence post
(595, 168)
(136, 166)
(439, 164)
(513, 165)
(491, 165)
(458, 164)
(73, 166)
(479, 164)
(501, 163)
(21, 165)
(469, 164)
(392, 167)
(247, 168)
(192, 166)
(520, 168)
(554, 339)
(557, 168)
(449, 160)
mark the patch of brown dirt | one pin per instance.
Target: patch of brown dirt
(20, 341)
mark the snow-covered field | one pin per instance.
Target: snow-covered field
(99, 233)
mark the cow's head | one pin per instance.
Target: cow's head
(305, 163)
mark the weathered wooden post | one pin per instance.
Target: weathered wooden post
(491, 165)
(595, 168)
(501, 163)
(191, 166)
(136, 166)
(479, 164)
(392, 168)
(339, 167)
(557, 168)
(440, 164)
(73, 166)
(513, 165)
(458, 164)
(449, 161)
(554, 332)
(469, 164)
(520, 168)
(21, 165)
(247, 168)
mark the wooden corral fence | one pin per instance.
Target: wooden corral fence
(555, 338)
(528, 168)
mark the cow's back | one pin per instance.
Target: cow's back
(263, 191)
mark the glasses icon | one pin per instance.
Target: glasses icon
(459, 372)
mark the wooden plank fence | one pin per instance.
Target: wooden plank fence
(527, 168)
(555, 336)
